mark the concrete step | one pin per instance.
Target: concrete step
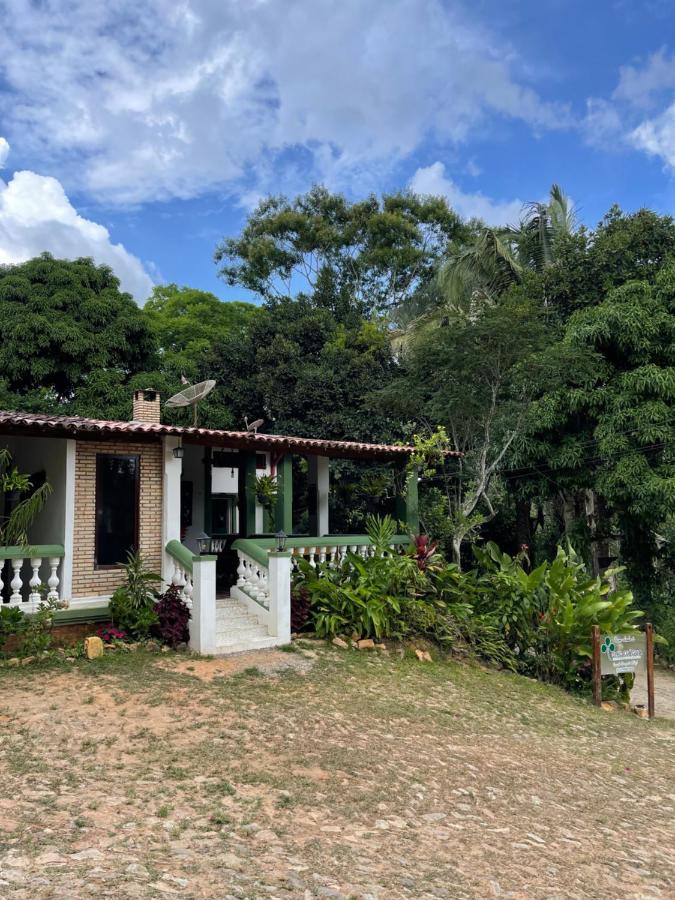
(240, 634)
(241, 646)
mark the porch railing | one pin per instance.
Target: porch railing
(27, 591)
(264, 576)
(181, 577)
(195, 577)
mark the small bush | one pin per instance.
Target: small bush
(300, 608)
(173, 617)
(12, 622)
(109, 634)
(132, 606)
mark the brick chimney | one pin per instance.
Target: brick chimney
(147, 406)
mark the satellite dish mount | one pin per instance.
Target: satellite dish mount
(190, 396)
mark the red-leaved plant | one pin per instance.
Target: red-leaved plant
(173, 617)
(108, 634)
(424, 551)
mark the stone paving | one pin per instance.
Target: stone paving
(325, 773)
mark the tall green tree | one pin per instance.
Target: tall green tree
(363, 257)
(65, 322)
(186, 322)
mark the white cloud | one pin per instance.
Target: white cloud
(4, 151)
(657, 136)
(134, 102)
(433, 180)
(37, 216)
(640, 85)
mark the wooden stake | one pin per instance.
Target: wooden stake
(597, 679)
(649, 633)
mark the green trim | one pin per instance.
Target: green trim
(284, 510)
(82, 616)
(207, 557)
(181, 554)
(253, 549)
(32, 551)
(407, 505)
(246, 485)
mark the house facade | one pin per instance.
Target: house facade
(187, 499)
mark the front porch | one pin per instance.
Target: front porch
(159, 489)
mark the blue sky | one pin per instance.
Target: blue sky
(141, 134)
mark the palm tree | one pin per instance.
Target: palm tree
(496, 258)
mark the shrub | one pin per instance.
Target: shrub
(300, 608)
(132, 606)
(173, 617)
(36, 633)
(12, 622)
(109, 634)
(547, 614)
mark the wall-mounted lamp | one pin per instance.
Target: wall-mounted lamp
(178, 452)
(204, 544)
(280, 538)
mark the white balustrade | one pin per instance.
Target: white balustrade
(34, 584)
(253, 579)
(182, 579)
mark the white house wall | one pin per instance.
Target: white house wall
(37, 454)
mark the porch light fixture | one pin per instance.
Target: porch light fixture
(178, 452)
(204, 544)
(280, 538)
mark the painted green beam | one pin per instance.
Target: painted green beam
(407, 506)
(247, 476)
(284, 509)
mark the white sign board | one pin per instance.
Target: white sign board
(623, 653)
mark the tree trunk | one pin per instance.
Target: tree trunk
(457, 551)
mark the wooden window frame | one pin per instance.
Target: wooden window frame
(137, 500)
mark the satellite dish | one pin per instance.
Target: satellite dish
(191, 395)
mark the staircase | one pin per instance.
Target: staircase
(237, 629)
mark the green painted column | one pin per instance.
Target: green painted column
(407, 506)
(246, 486)
(284, 510)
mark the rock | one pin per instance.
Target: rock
(27, 660)
(381, 647)
(366, 644)
(138, 870)
(355, 637)
(338, 642)
(93, 647)
(608, 707)
(14, 661)
(641, 712)
(166, 649)
(423, 655)
(89, 853)
(265, 836)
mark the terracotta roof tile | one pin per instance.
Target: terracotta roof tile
(79, 426)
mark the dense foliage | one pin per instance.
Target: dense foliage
(535, 622)
(543, 351)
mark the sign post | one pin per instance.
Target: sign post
(597, 680)
(649, 635)
(618, 654)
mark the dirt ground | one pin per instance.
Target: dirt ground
(324, 773)
(664, 692)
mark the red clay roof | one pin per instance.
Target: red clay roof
(81, 427)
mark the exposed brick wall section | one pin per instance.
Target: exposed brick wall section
(147, 407)
(87, 580)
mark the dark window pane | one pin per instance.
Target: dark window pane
(116, 508)
(223, 510)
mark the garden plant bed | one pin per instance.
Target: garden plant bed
(346, 775)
